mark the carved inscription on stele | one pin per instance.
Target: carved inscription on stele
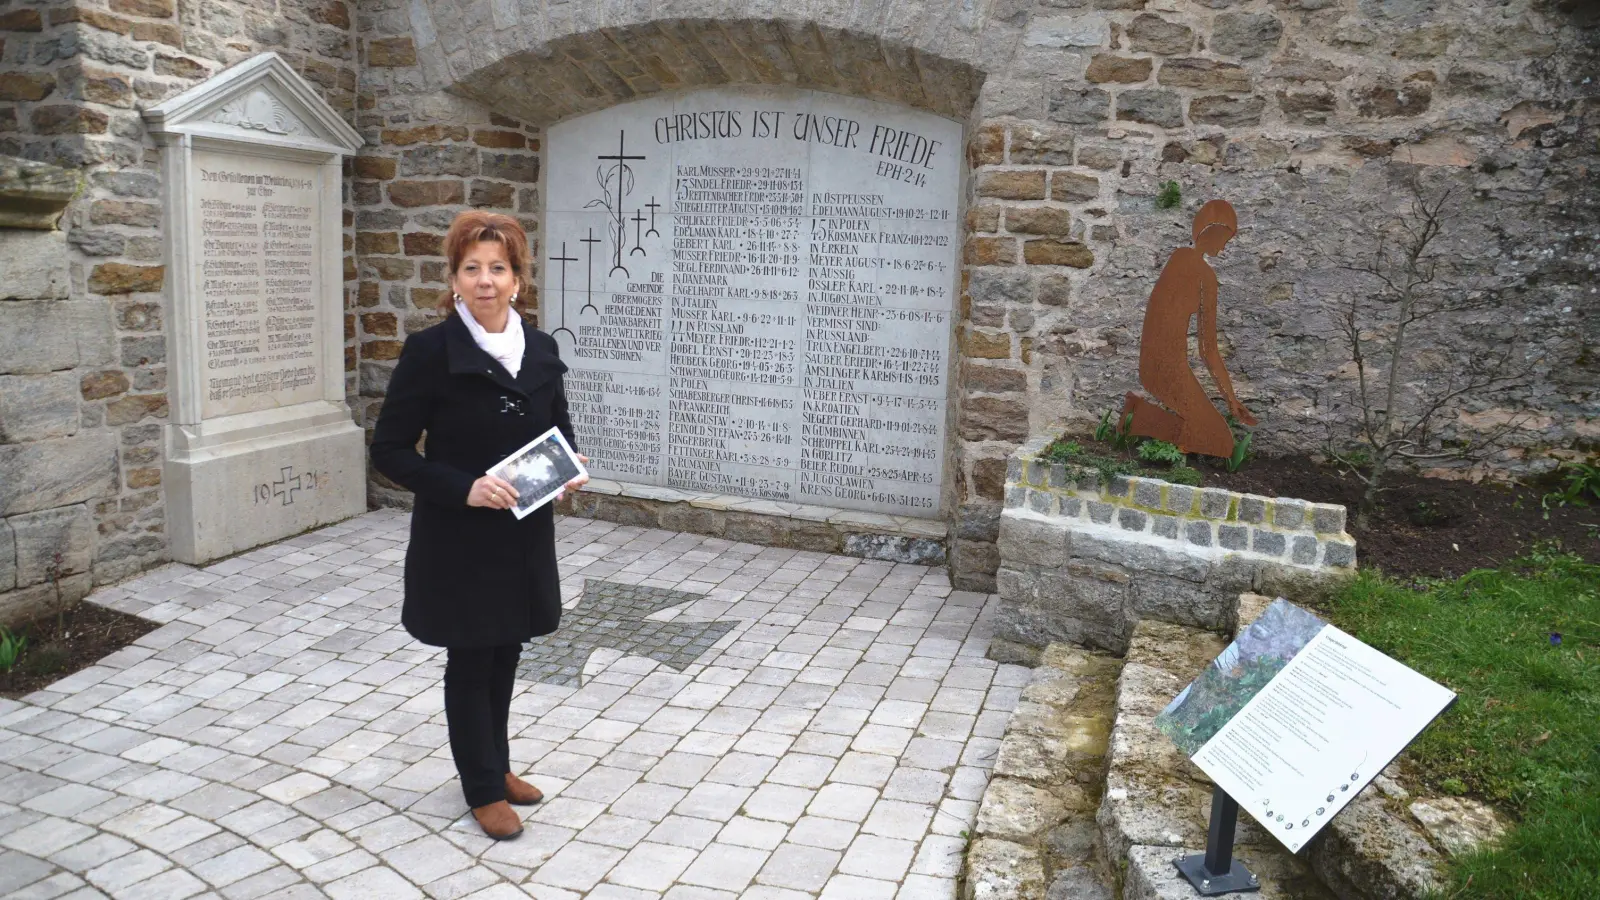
(258, 278)
(754, 291)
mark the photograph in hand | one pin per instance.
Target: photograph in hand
(539, 470)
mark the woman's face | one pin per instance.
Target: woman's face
(485, 282)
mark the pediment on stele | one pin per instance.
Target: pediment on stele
(261, 100)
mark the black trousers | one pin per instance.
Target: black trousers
(477, 705)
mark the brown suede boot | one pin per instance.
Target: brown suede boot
(520, 792)
(498, 820)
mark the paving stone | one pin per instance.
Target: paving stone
(741, 723)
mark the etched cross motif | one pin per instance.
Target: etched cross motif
(287, 485)
(617, 617)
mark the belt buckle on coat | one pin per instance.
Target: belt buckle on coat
(511, 405)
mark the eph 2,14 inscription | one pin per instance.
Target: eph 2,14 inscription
(754, 292)
(258, 277)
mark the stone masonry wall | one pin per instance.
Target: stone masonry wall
(1084, 560)
(428, 157)
(83, 374)
(1306, 114)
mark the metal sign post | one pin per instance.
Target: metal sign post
(1215, 871)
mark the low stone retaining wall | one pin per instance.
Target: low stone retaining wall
(1083, 559)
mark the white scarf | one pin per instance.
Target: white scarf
(507, 347)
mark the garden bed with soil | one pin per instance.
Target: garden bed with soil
(1423, 527)
(92, 632)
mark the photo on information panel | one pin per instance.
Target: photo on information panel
(539, 470)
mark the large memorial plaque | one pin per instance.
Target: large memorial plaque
(754, 291)
(260, 281)
(260, 443)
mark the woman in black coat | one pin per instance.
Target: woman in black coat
(479, 581)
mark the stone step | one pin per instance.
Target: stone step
(1035, 835)
(1157, 803)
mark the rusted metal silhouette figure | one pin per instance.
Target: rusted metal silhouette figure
(1187, 288)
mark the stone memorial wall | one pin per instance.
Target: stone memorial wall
(754, 290)
(252, 187)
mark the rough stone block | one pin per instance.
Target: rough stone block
(1015, 496)
(1269, 543)
(1042, 502)
(1100, 513)
(1002, 870)
(1303, 550)
(35, 263)
(1181, 499)
(1071, 507)
(895, 548)
(45, 336)
(1058, 477)
(1215, 503)
(1014, 468)
(1119, 486)
(1132, 519)
(1088, 480)
(38, 407)
(1290, 514)
(1245, 35)
(1029, 540)
(1327, 518)
(1253, 509)
(40, 536)
(1164, 526)
(1147, 493)
(1139, 556)
(1233, 537)
(8, 557)
(1341, 554)
(1017, 810)
(47, 474)
(1198, 533)
(1459, 825)
(1368, 850)
(1038, 473)
(1175, 600)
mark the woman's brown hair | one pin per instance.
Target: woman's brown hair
(472, 227)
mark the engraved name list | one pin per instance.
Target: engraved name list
(754, 292)
(258, 278)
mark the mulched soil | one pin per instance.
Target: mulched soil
(92, 633)
(1424, 527)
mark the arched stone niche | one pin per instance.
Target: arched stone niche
(542, 66)
(755, 288)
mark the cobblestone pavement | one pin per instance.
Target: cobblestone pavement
(281, 736)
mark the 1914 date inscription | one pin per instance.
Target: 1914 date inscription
(754, 290)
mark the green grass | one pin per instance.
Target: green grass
(1524, 733)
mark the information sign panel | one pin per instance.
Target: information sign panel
(1296, 717)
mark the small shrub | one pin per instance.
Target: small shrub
(1170, 196)
(11, 647)
(1181, 475)
(1241, 451)
(1161, 452)
(1582, 486)
(1062, 451)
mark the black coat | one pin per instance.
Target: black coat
(475, 577)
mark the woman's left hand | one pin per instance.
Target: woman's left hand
(578, 482)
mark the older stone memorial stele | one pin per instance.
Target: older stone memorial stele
(261, 444)
(754, 290)
(1290, 723)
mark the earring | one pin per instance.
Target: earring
(513, 298)
(457, 297)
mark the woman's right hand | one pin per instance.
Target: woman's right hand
(492, 493)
